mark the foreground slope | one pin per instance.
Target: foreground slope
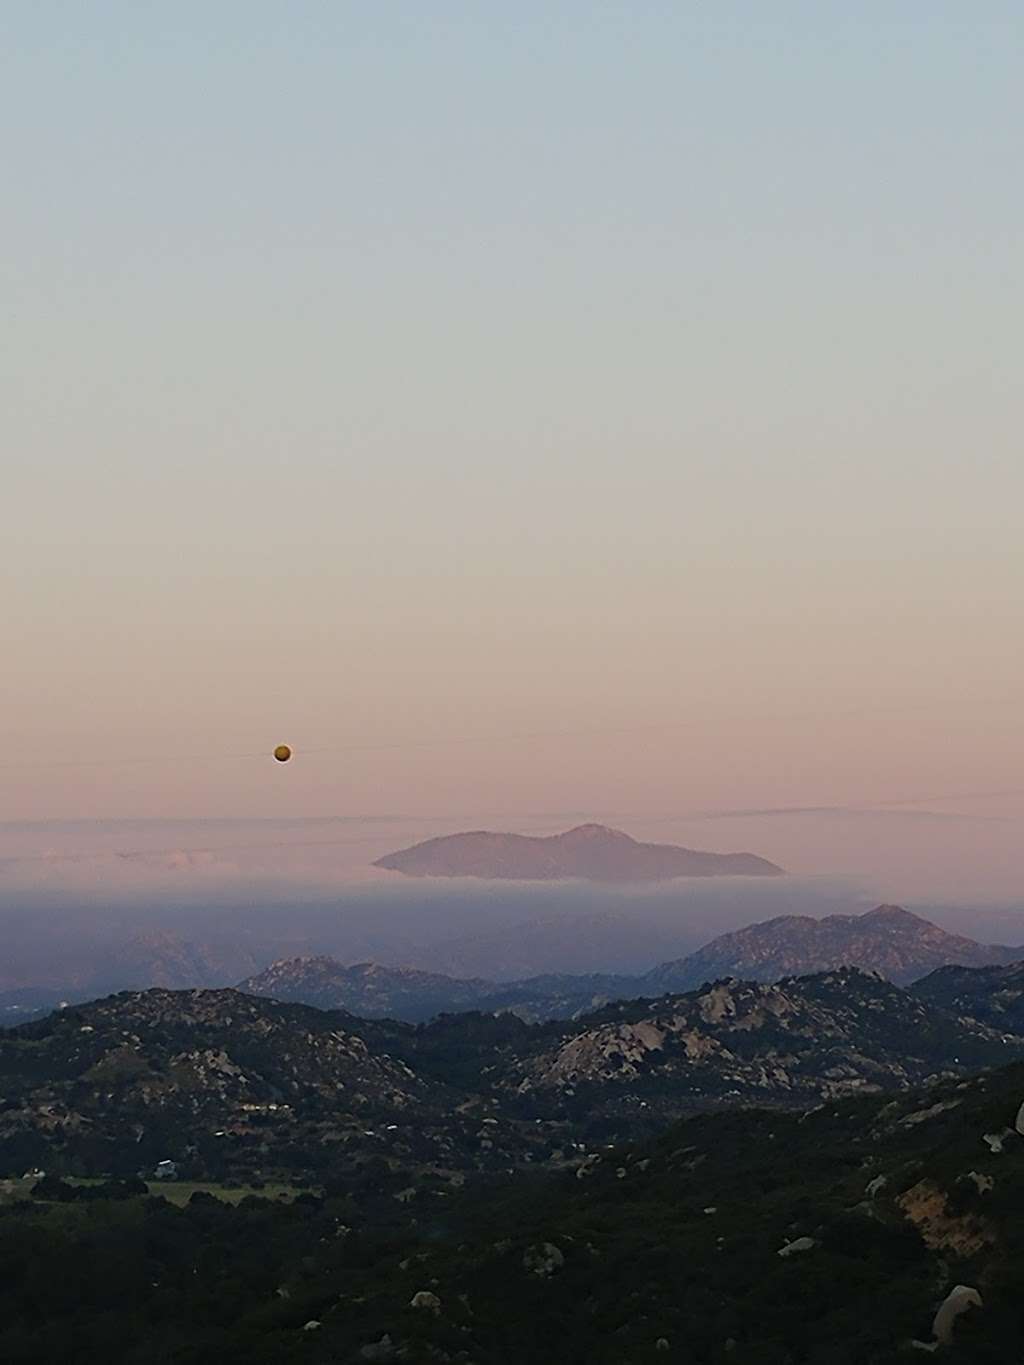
(829, 1238)
(591, 852)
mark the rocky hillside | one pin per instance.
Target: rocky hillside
(894, 942)
(994, 995)
(169, 1069)
(590, 852)
(800, 1041)
(218, 1080)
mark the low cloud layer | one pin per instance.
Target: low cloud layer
(128, 898)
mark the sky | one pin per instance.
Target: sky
(577, 408)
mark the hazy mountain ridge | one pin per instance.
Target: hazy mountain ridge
(366, 988)
(893, 942)
(377, 992)
(900, 945)
(139, 961)
(591, 852)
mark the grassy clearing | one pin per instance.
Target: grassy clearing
(181, 1191)
(174, 1191)
(12, 1190)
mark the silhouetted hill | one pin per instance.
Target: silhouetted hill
(376, 992)
(994, 995)
(590, 852)
(898, 944)
(366, 988)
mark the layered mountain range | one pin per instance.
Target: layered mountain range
(219, 1079)
(895, 943)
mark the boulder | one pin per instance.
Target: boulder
(378, 1350)
(794, 1248)
(995, 1140)
(982, 1183)
(425, 1299)
(543, 1260)
(957, 1301)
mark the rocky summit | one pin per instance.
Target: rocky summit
(588, 852)
(894, 942)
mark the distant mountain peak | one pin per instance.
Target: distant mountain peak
(593, 831)
(590, 852)
(889, 940)
(895, 914)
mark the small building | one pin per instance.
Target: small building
(166, 1170)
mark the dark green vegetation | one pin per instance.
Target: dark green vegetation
(676, 1240)
(533, 1184)
(994, 995)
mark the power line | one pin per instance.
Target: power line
(205, 757)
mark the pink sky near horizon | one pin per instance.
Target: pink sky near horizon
(649, 446)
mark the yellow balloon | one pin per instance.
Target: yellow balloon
(282, 753)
